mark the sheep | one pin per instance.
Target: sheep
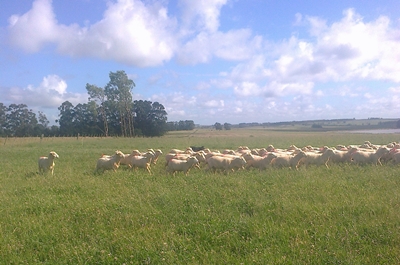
(46, 163)
(343, 155)
(175, 165)
(260, 162)
(198, 155)
(314, 158)
(109, 162)
(365, 157)
(225, 163)
(178, 151)
(127, 157)
(143, 161)
(197, 148)
(291, 161)
(157, 154)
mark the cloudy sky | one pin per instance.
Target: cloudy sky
(208, 60)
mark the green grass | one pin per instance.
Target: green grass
(341, 215)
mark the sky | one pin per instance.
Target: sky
(227, 61)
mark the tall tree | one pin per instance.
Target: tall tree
(43, 119)
(119, 94)
(98, 97)
(66, 118)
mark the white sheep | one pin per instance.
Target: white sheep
(126, 160)
(157, 154)
(369, 157)
(260, 162)
(226, 163)
(175, 165)
(143, 161)
(317, 158)
(109, 162)
(46, 163)
(288, 160)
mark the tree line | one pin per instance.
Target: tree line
(110, 111)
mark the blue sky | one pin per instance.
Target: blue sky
(209, 60)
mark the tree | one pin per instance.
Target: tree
(150, 118)
(227, 126)
(20, 121)
(398, 124)
(3, 119)
(66, 118)
(83, 120)
(218, 126)
(96, 98)
(119, 94)
(43, 119)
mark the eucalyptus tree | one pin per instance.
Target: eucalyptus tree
(43, 119)
(97, 99)
(20, 121)
(119, 96)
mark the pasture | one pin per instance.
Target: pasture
(342, 215)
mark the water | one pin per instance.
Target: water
(377, 131)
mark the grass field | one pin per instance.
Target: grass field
(342, 215)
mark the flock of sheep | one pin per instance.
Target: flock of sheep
(230, 160)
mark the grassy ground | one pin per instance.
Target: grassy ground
(341, 215)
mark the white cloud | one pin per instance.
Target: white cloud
(35, 28)
(50, 93)
(234, 45)
(130, 32)
(204, 14)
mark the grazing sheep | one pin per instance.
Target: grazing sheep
(109, 162)
(46, 163)
(175, 165)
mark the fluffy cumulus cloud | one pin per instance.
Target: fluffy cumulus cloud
(50, 93)
(130, 32)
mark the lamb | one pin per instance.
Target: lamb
(109, 162)
(175, 165)
(47, 163)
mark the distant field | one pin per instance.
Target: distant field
(342, 215)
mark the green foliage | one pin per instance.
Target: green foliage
(347, 214)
